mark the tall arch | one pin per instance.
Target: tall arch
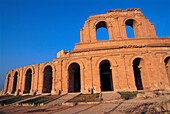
(28, 79)
(167, 66)
(138, 70)
(106, 81)
(8, 79)
(74, 79)
(135, 28)
(47, 79)
(15, 79)
(102, 31)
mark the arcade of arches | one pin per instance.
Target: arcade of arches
(116, 64)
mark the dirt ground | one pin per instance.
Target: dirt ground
(159, 104)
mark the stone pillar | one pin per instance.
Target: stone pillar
(32, 90)
(115, 78)
(53, 91)
(93, 33)
(110, 32)
(82, 78)
(23, 83)
(131, 80)
(11, 83)
(96, 81)
(40, 80)
(116, 30)
(5, 85)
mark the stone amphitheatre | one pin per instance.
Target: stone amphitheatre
(118, 64)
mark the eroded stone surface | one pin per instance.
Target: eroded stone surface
(140, 63)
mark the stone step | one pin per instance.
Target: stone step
(110, 96)
(63, 99)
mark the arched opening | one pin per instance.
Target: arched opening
(15, 82)
(47, 79)
(167, 66)
(102, 31)
(74, 78)
(106, 81)
(7, 83)
(138, 64)
(28, 79)
(130, 26)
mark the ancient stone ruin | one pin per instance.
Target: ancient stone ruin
(117, 64)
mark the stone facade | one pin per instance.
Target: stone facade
(117, 64)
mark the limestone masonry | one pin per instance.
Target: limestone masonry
(117, 64)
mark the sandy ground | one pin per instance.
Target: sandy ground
(137, 105)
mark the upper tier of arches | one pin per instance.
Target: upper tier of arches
(115, 23)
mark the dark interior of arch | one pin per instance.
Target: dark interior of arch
(47, 81)
(74, 78)
(101, 24)
(15, 82)
(106, 76)
(137, 73)
(7, 83)
(129, 22)
(167, 65)
(28, 81)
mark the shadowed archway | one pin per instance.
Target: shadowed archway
(106, 81)
(28, 79)
(138, 64)
(15, 82)
(74, 78)
(7, 83)
(167, 66)
(47, 79)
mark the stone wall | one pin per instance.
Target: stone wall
(152, 52)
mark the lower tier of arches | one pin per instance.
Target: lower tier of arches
(91, 75)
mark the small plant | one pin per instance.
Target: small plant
(85, 98)
(128, 95)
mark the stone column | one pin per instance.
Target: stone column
(115, 78)
(5, 85)
(32, 83)
(10, 83)
(40, 80)
(131, 80)
(53, 91)
(23, 83)
(96, 81)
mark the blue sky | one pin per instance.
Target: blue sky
(33, 31)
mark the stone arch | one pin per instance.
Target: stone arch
(28, 80)
(50, 64)
(74, 83)
(110, 59)
(105, 24)
(114, 71)
(29, 67)
(106, 80)
(134, 23)
(47, 79)
(82, 67)
(74, 61)
(53, 76)
(137, 56)
(164, 57)
(7, 82)
(138, 64)
(167, 66)
(15, 82)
